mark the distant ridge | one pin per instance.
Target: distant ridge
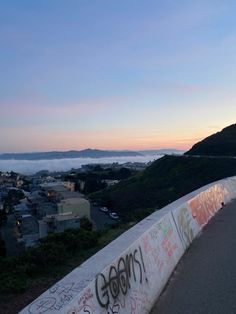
(219, 144)
(86, 153)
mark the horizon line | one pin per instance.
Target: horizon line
(83, 149)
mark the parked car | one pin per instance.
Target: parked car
(114, 215)
(104, 209)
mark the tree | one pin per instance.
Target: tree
(3, 216)
(124, 173)
(86, 224)
(3, 250)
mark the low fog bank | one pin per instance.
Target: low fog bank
(28, 167)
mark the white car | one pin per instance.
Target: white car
(114, 215)
(104, 209)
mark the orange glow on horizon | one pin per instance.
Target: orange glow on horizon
(109, 139)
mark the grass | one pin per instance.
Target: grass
(24, 278)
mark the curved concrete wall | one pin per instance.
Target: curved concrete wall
(128, 275)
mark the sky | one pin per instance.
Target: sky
(115, 74)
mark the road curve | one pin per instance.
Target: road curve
(204, 281)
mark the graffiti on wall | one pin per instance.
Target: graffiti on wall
(85, 303)
(59, 296)
(184, 222)
(160, 245)
(139, 301)
(206, 204)
(162, 235)
(118, 279)
(153, 250)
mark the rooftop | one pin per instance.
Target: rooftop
(63, 217)
(78, 200)
(29, 225)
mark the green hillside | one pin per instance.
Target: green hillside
(220, 144)
(164, 181)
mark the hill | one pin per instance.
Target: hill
(219, 144)
(164, 181)
(86, 153)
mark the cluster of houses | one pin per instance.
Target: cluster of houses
(51, 206)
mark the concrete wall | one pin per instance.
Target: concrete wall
(62, 225)
(128, 275)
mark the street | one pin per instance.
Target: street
(100, 219)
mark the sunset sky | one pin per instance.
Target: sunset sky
(115, 74)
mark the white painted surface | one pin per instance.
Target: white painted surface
(128, 275)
